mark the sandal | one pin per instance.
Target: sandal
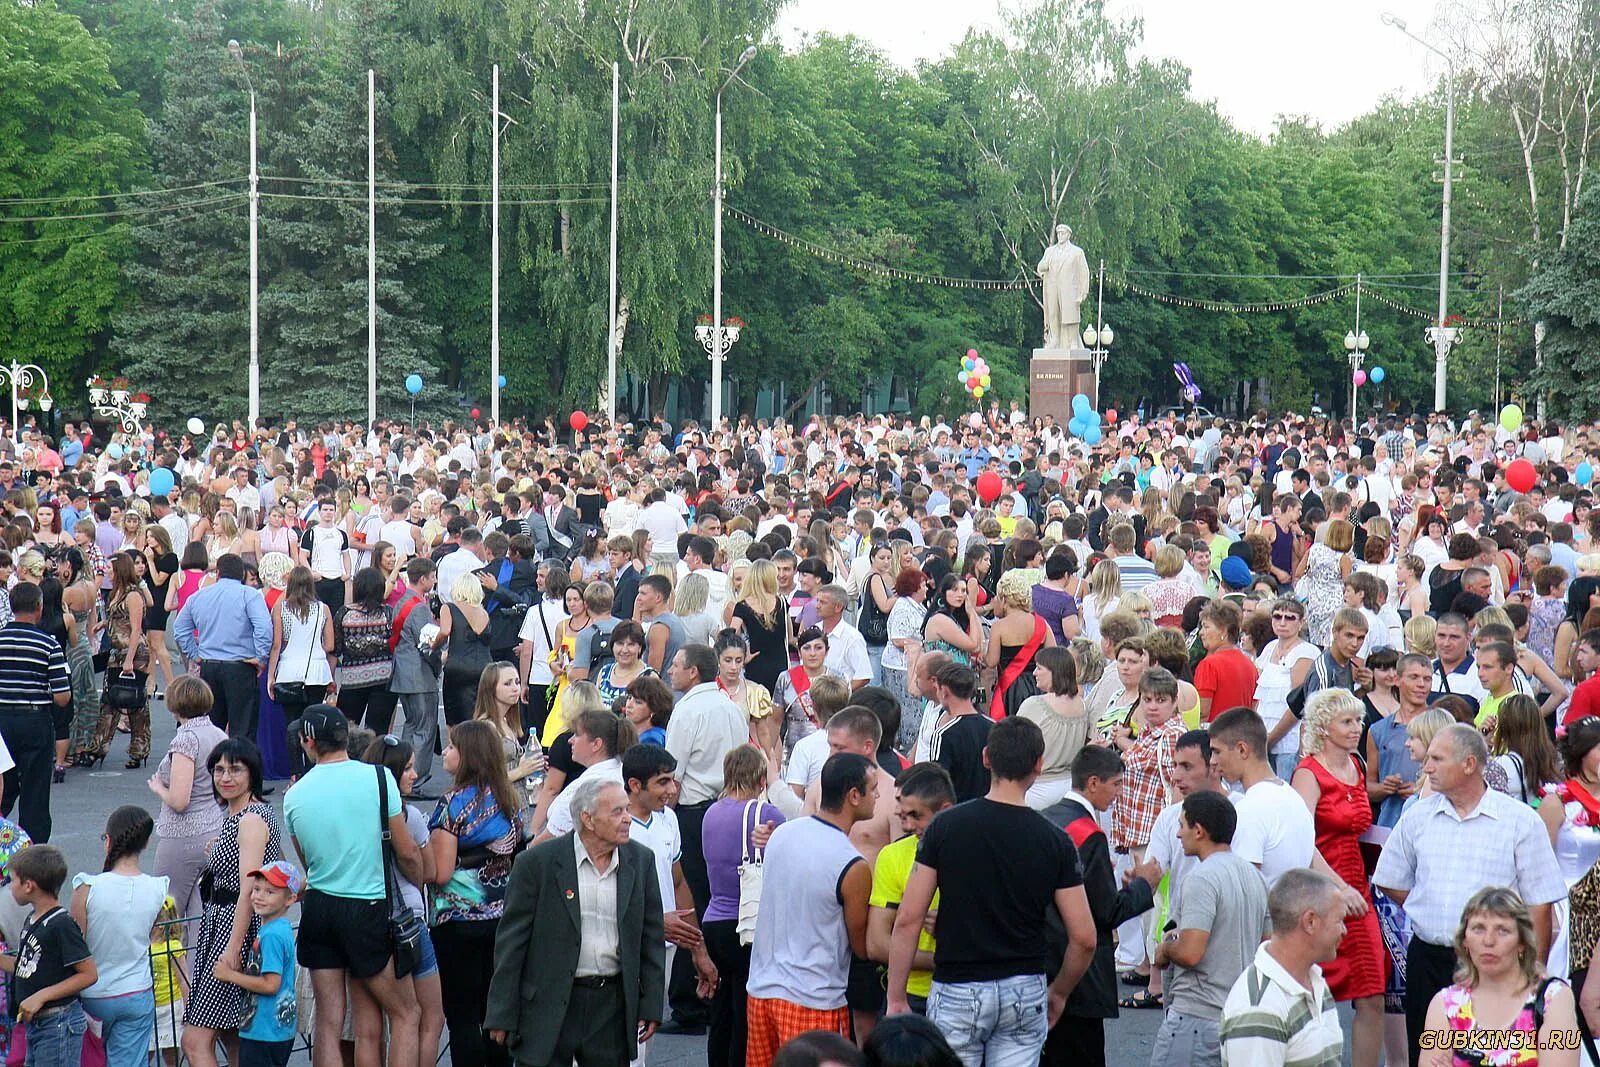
(1142, 999)
(1132, 977)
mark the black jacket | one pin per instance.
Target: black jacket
(1096, 994)
(508, 602)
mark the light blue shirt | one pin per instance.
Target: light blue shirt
(233, 622)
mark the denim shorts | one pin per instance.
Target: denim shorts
(427, 963)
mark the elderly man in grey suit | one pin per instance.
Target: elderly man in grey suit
(579, 960)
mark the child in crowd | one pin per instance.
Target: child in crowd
(115, 909)
(166, 961)
(266, 1033)
(52, 964)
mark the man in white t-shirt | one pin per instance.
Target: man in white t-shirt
(399, 532)
(647, 772)
(1275, 830)
(323, 548)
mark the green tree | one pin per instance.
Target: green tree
(314, 310)
(1564, 294)
(68, 139)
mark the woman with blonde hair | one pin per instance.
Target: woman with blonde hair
(1331, 782)
(1501, 989)
(576, 698)
(1419, 633)
(1328, 564)
(762, 616)
(1014, 640)
(1104, 596)
(466, 625)
(700, 627)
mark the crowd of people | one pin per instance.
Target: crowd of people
(949, 740)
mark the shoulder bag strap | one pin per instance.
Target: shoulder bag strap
(748, 853)
(383, 835)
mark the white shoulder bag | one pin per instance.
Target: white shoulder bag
(750, 874)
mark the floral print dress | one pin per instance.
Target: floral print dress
(1524, 1052)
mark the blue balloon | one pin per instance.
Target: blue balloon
(1584, 473)
(161, 481)
(1081, 405)
(1092, 435)
(1378, 374)
(502, 381)
(1077, 426)
(413, 384)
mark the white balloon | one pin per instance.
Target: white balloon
(197, 424)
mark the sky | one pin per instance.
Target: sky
(1258, 59)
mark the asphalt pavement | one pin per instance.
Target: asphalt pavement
(79, 807)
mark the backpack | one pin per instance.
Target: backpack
(599, 652)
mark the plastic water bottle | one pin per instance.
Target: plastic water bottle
(534, 781)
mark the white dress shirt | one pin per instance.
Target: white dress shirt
(705, 726)
(598, 936)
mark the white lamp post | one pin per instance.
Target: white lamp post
(716, 338)
(254, 412)
(1099, 336)
(24, 376)
(1442, 337)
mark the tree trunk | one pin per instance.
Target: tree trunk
(800, 401)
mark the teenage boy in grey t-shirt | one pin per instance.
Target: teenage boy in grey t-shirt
(1221, 919)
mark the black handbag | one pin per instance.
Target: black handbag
(124, 691)
(405, 926)
(874, 624)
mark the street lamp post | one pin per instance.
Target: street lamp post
(1441, 336)
(117, 405)
(255, 202)
(21, 377)
(1099, 336)
(1356, 343)
(717, 339)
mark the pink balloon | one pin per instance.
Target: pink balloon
(972, 353)
(1361, 377)
(975, 420)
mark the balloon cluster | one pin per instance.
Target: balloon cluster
(974, 374)
(1085, 423)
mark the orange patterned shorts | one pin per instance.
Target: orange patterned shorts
(771, 1022)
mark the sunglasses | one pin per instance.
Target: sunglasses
(1284, 616)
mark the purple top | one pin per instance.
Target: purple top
(722, 841)
(1053, 605)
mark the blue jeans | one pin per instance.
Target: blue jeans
(1002, 1023)
(126, 1024)
(875, 655)
(58, 1040)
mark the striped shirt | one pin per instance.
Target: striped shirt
(1270, 1019)
(32, 667)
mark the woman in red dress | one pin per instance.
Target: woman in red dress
(1331, 781)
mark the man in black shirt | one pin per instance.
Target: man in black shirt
(998, 865)
(960, 732)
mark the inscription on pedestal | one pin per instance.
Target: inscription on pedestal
(1055, 376)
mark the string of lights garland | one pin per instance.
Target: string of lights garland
(867, 266)
(1429, 316)
(1323, 297)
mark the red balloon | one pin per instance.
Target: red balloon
(578, 420)
(1111, 414)
(475, 412)
(989, 486)
(1521, 476)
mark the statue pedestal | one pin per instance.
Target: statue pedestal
(1055, 376)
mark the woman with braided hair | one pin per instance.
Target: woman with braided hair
(116, 909)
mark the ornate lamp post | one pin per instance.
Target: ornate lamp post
(1099, 336)
(714, 336)
(117, 405)
(717, 343)
(1356, 343)
(23, 377)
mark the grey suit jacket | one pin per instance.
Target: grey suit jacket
(536, 948)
